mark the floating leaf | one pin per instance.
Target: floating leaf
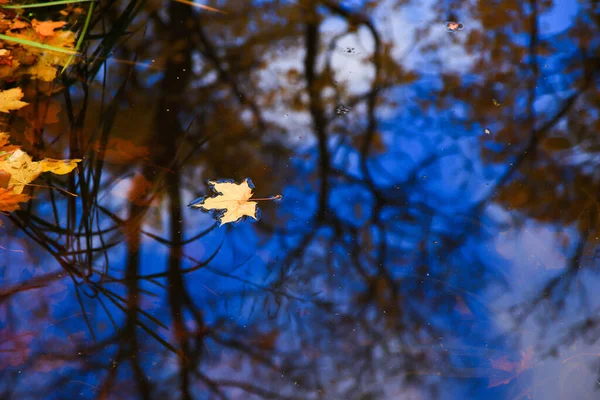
(49, 51)
(46, 28)
(23, 169)
(4, 146)
(232, 198)
(9, 200)
(11, 100)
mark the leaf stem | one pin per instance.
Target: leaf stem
(277, 197)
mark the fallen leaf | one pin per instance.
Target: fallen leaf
(9, 200)
(6, 58)
(44, 61)
(556, 143)
(46, 28)
(121, 151)
(139, 190)
(11, 100)
(4, 179)
(232, 198)
(4, 146)
(23, 169)
(514, 368)
(17, 24)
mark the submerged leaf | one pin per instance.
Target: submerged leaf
(232, 198)
(556, 143)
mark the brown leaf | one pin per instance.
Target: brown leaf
(121, 151)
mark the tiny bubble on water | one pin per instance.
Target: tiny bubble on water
(342, 110)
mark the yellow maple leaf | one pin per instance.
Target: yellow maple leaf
(232, 198)
(23, 169)
(11, 100)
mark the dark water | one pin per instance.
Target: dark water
(437, 236)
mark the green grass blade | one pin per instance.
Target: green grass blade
(38, 45)
(48, 4)
(88, 18)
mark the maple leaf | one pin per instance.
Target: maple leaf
(6, 58)
(4, 146)
(17, 24)
(232, 198)
(9, 200)
(23, 169)
(11, 100)
(46, 28)
(45, 60)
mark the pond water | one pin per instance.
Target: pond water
(426, 223)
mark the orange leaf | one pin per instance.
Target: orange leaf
(46, 28)
(9, 200)
(4, 146)
(18, 24)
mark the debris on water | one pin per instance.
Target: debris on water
(453, 26)
(342, 110)
(487, 131)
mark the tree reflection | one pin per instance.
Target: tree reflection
(369, 278)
